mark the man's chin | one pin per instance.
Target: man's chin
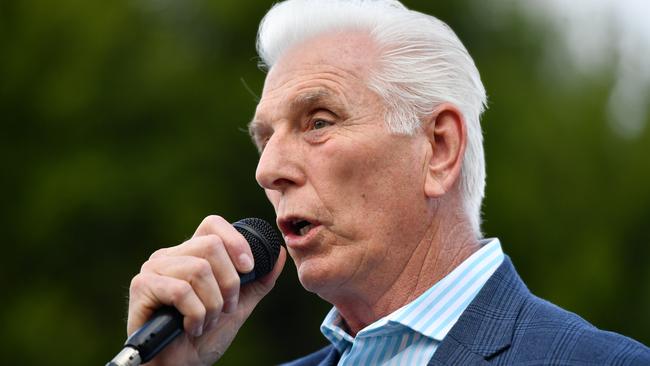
(315, 277)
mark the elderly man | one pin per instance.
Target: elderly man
(371, 154)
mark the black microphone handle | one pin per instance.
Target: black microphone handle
(167, 322)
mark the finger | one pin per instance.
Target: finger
(211, 248)
(236, 245)
(149, 291)
(198, 273)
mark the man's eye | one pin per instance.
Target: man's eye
(319, 123)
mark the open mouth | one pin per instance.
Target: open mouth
(297, 226)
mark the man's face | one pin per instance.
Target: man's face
(348, 194)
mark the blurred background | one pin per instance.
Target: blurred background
(123, 125)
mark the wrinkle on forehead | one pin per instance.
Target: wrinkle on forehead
(328, 68)
(352, 52)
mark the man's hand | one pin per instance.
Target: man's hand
(200, 278)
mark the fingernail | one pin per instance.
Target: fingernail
(245, 262)
(198, 330)
(231, 306)
(213, 324)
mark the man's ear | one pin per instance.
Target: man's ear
(447, 135)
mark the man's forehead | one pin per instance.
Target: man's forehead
(326, 69)
(348, 55)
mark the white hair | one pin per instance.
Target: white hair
(422, 64)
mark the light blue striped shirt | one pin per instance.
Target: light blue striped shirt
(411, 334)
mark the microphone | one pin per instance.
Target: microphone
(167, 322)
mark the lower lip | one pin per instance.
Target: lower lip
(295, 241)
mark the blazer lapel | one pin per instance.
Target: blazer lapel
(331, 359)
(487, 325)
(450, 352)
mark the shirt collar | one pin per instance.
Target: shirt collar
(434, 312)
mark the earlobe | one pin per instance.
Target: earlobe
(433, 187)
(446, 132)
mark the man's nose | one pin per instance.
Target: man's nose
(279, 165)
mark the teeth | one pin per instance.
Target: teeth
(305, 229)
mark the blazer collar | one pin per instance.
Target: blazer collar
(487, 325)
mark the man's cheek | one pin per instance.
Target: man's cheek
(273, 197)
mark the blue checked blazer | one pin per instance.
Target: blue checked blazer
(507, 325)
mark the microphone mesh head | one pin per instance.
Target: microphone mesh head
(264, 242)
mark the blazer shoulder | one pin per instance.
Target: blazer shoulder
(547, 332)
(506, 324)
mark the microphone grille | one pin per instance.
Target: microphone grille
(264, 242)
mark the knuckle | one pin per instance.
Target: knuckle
(197, 313)
(147, 266)
(230, 286)
(200, 269)
(229, 292)
(158, 253)
(180, 291)
(213, 245)
(214, 306)
(138, 283)
(200, 313)
(214, 220)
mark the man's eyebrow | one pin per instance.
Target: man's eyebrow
(309, 98)
(256, 128)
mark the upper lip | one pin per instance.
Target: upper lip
(287, 224)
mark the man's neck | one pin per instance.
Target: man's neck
(440, 251)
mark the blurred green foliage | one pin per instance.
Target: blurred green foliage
(123, 126)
